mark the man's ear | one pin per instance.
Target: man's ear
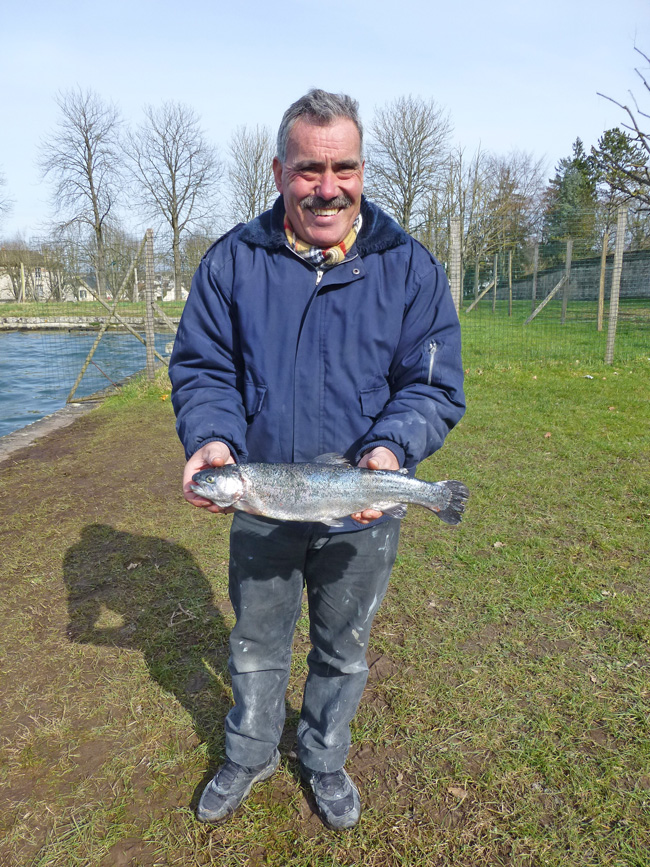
(277, 173)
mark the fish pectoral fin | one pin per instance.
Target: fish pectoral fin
(332, 522)
(397, 511)
(333, 459)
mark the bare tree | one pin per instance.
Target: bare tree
(455, 194)
(250, 175)
(629, 171)
(5, 201)
(517, 187)
(21, 263)
(195, 244)
(65, 257)
(53, 266)
(406, 157)
(177, 171)
(121, 250)
(465, 192)
(45, 269)
(84, 159)
(495, 197)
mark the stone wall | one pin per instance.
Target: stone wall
(585, 279)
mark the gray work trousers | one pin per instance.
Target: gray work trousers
(346, 576)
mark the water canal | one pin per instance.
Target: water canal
(38, 369)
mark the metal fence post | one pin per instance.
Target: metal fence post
(149, 303)
(455, 263)
(621, 226)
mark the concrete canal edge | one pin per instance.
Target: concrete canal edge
(76, 323)
(28, 435)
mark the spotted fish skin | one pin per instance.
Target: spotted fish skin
(325, 490)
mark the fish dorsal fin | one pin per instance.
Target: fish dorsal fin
(333, 459)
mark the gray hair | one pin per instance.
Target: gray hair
(321, 108)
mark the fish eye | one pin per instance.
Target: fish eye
(209, 479)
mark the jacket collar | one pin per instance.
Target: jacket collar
(379, 231)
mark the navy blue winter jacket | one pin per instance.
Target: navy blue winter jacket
(284, 363)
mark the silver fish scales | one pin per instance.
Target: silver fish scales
(325, 490)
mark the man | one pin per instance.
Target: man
(318, 327)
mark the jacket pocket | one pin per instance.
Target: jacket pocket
(253, 395)
(374, 399)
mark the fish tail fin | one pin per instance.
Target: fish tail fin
(458, 493)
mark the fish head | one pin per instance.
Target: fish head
(223, 485)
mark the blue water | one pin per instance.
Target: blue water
(38, 369)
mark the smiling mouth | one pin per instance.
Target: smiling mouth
(325, 212)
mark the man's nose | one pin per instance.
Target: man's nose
(328, 187)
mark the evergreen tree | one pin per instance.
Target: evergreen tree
(619, 162)
(571, 207)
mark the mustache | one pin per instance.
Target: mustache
(311, 202)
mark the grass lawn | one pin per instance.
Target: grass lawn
(506, 718)
(497, 337)
(65, 309)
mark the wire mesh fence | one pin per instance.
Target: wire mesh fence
(521, 297)
(557, 300)
(54, 351)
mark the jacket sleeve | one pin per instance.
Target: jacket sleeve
(426, 376)
(203, 368)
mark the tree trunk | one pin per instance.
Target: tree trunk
(177, 264)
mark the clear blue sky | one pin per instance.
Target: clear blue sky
(512, 73)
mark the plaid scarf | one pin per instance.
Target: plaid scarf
(317, 255)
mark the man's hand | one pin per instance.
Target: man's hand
(377, 459)
(210, 455)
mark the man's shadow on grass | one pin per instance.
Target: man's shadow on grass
(149, 594)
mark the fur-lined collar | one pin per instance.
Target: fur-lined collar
(378, 232)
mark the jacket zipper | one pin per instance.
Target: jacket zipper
(319, 271)
(319, 276)
(433, 346)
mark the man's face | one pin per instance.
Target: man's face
(321, 180)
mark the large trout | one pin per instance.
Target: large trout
(325, 490)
